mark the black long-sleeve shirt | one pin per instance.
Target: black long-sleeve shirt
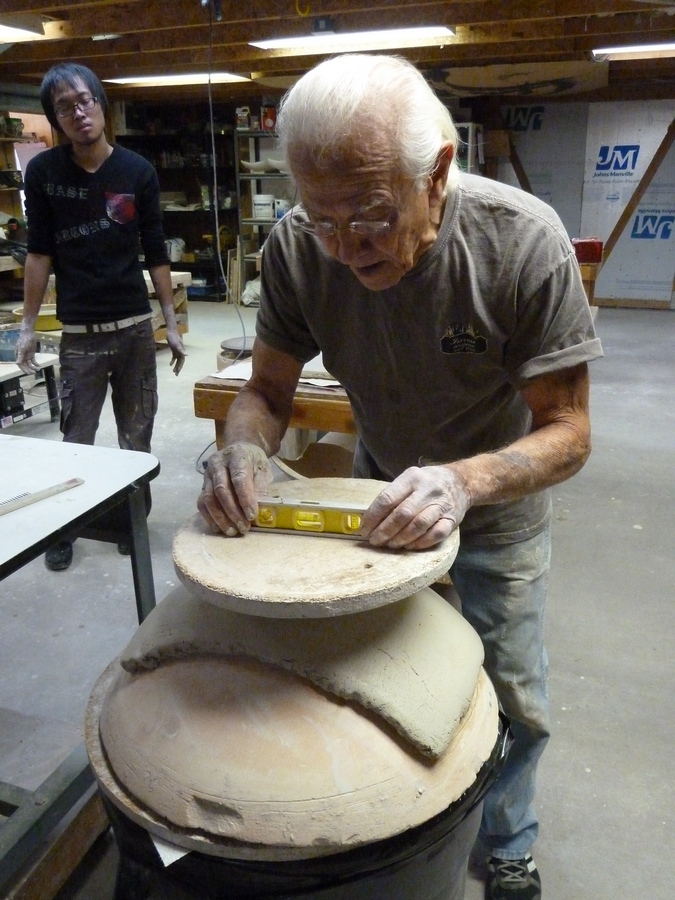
(93, 225)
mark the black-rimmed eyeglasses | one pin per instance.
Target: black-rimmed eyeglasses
(64, 110)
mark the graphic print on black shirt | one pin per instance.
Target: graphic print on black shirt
(121, 208)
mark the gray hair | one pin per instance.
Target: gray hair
(346, 99)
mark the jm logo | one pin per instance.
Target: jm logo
(650, 226)
(619, 158)
(524, 118)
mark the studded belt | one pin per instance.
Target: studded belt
(97, 327)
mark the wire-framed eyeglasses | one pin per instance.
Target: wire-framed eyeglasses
(64, 110)
(325, 228)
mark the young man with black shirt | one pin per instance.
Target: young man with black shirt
(91, 208)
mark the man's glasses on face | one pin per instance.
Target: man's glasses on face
(326, 228)
(65, 110)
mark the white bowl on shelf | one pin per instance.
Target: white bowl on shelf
(280, 165)
(261, 166)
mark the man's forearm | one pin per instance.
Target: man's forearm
(36, 277)
(537, 461)
(161, 280)
(252, 419)
(556, 447)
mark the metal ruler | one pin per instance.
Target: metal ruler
(25, 499)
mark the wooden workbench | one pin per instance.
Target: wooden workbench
(323, 409)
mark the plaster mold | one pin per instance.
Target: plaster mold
(414, 663)
(244, 760)
(304, 576)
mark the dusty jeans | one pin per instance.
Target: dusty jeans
(124, 359)
(503, 593)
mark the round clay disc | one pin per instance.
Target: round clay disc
(267, 573)
(241, 759)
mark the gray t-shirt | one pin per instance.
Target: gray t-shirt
(433, 365)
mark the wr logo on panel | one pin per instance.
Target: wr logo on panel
(620, 158)
(524, 118)
(650, 226)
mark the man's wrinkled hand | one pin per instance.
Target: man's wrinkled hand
(418, 510)
(233, 480)
(26, 347)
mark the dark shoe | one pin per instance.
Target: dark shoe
(124, 548)
(59, 556)
(512, 879)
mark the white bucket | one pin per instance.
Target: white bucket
(263, 206)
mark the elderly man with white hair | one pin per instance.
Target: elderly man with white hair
(451, 309)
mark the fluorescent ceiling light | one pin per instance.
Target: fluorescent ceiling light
(392, 37)
(638, 51)
(14, 29)
(163, 80)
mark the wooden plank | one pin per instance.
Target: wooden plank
(518, 168)
(313, 408)
(496, 143)
(178, 280)
(322, 414)
(589, 274)
(631, 304)
(220, 434)
(231, 263)
(53, 869)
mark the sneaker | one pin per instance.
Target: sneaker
(59, 556)
(512, 879)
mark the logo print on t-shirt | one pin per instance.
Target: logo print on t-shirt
(462, 338)
(121, 208)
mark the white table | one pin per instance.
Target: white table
(113, 479)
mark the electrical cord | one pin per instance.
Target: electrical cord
(200, 466)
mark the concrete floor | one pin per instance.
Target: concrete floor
(606, 786)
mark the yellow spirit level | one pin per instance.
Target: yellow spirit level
(310, 517)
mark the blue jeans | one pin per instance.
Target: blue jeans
(127, 360)
(503, 592)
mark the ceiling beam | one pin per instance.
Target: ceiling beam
(158, 36)
(230, 46)
(89, 17)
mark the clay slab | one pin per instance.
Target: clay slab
(414, 662)
(304, 576)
